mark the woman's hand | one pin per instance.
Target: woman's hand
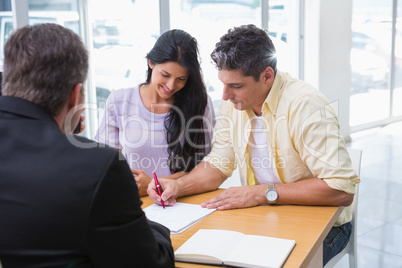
(142, 181)
(82, 118)
(170, 191)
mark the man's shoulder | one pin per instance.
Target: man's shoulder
(89, 149)
(296, 91)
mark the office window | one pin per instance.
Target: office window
(6, 28)
(122, 33)
(371, 62)
(207, 21)
(67, 18)
(397, 94)
(284, 28)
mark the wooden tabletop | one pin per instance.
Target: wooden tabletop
(308, 225)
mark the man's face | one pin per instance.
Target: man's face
(243, 91)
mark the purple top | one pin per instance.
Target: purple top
(128, 125)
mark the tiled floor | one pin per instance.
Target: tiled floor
(379, 226)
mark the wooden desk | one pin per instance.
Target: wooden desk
(308, 225)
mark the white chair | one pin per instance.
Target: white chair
(351, 247)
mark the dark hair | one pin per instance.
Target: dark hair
(43, 63)
(246, 48)
(189, 102)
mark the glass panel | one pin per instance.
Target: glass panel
(283, 28)
(207, 21)
(122, 35)
(48, 11)
(397, 98)
(40, 12)
(6, 30)
(370, 61)
(5, 27)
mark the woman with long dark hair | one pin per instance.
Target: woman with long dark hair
(165, 124)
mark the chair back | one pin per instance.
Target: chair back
(351, 247)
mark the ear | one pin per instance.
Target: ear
(74, 98)
(269, 75)
(150, 64)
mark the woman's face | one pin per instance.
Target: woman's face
(168, 78)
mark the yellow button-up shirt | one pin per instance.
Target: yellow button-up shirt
(303, 133)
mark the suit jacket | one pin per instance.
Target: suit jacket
(63, 205)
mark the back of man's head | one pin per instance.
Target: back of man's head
(43, 63)
(246, 48)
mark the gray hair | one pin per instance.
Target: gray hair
(43, 63)
(245, 48)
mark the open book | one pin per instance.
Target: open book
(177, 218)
(223, 247)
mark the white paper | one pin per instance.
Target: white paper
(177, 218)
(266, 251)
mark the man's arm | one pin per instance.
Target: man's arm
(119, 235)
(320, 148)
(204, 177)
(307, 192)
(312, 192)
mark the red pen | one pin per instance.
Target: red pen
(159, 188)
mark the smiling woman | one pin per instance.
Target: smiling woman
(163, 125)
(170, 77)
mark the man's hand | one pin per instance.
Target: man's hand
(170, 190)
(238, 197)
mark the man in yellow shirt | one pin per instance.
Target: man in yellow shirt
(281, 132)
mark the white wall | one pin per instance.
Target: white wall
(327, 53)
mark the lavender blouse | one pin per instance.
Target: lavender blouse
(128, 125)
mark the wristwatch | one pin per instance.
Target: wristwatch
(271, 194)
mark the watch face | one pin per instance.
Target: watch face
(272, 195)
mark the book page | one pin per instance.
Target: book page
(177, 218)
(260, 251)
(208, 246)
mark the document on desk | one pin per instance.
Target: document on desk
(177, 218)
(224, 247)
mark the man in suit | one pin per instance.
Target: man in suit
(63, 205)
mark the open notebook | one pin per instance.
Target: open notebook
(223, 247)
(177, 218)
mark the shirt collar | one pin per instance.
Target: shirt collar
(275, 93)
